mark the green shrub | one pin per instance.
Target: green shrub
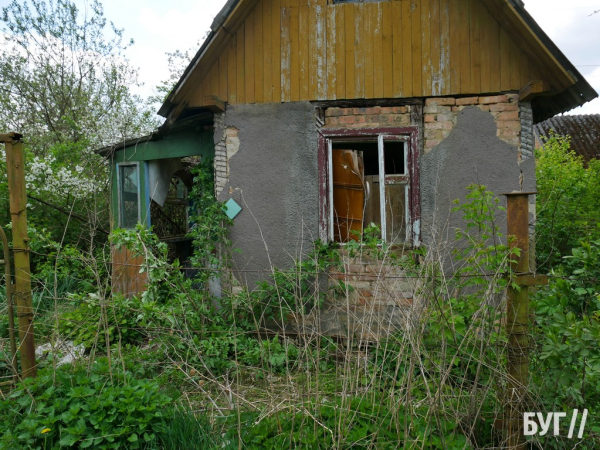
(121, 319)
(567, 201)
(566, 364)
(74, 408)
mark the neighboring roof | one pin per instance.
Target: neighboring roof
(584, 131)
(570, 89)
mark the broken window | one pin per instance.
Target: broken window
(129, 194)
(369, 185)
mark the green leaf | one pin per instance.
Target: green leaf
(68, 440)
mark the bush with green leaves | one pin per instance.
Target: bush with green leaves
(74, 407)
(566, 364)
(567, 201)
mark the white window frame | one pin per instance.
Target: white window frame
(381, 138)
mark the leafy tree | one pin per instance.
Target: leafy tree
(66, 86)
(567, 202)
(64, 78)
(177, 63)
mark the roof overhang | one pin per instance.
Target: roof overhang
(197, 118)
(569, 87)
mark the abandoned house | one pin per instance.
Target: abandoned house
(324, 116)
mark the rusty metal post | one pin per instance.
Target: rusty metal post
(9, 304)
(15, 167)
(517, 320)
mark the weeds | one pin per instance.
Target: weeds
(434, 382)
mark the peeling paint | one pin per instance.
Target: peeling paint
(285, 55)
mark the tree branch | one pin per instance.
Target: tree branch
(66, 212)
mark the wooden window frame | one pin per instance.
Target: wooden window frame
(408, 134)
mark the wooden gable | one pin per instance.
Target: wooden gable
(293, 50)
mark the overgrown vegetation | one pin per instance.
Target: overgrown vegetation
(176, 367)
(436, 383)
(567, 201)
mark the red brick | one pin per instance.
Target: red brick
(380, 119)
(387, 110)
(441, 125)
(429, 118)
(508, 124)
(331, 121)
(504, 107)
(508, 115)
(506, 133)
(332, 112)
(493, 99)
(338, 276)
(355, 268)
(367, 293)
(400, 109)
(446, 101)
(467, 101)
(373, 110)
(347, 119)
(441, 101)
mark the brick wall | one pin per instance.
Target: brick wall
(440, 116)
(371, 117)
(225, 148)
(379, 302)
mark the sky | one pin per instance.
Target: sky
(159, 26)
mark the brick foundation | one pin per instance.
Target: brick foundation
(379, 299)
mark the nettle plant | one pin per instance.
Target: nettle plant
(77, 408)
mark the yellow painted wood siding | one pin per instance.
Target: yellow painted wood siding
(291, 50)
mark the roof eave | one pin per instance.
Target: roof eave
(575, 95)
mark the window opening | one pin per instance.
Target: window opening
(129, 195)
(369, 185)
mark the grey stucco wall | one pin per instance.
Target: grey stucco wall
(472, 153)
(274, 177)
